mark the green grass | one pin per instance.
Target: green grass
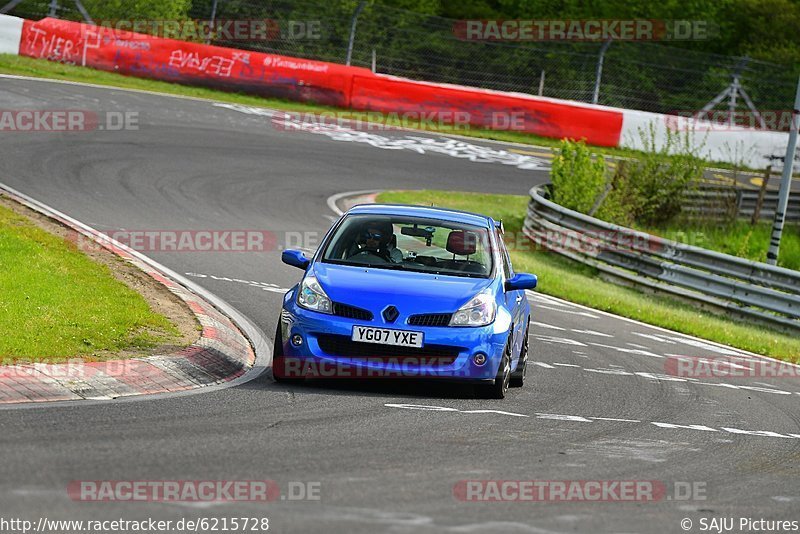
(56, 303)
(40, 68)
(578, 283)
(738, 238)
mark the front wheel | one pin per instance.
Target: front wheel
(281, 371)
(499, 388)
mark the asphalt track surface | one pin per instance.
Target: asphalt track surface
(597, 405)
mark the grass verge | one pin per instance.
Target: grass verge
(56, 303)
(40, 68)
(578, 283)
(737, 238)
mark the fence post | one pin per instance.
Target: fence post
(374, 61)
(541, 84)
(9, 6)
(353, 23)
(786, 183)
(53, 9)
(213, 19)
(760, 201)
(599, 74)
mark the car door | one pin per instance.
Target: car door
(514, 300)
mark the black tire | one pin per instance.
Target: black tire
(499, 388)
(518, 376)
(279, 361)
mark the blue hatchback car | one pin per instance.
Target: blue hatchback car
(407, 291)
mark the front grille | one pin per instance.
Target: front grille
(351, 312)
(430, 319)
(337, 345)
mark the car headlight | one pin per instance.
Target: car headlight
(479, 311)
(311, 296)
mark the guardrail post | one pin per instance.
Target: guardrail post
(786, 183)
(760, 201)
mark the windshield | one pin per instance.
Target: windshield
(411, 244)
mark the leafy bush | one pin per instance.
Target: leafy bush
(618, 203)
(578, 179)
(649, 189)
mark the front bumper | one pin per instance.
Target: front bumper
(327, 352)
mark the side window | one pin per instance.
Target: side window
(504, 255)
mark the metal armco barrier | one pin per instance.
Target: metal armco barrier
(722, 202)
(753, 289)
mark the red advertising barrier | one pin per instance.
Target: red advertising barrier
(185, 62)
(331, 84)
(489, 109)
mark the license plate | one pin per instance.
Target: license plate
(386, 336)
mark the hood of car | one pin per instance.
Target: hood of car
(409, 292)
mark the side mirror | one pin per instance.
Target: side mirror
(521, 281)
(295, 258)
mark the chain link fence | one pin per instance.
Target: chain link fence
(635, 75)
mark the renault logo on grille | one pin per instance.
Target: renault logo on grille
(390, 314)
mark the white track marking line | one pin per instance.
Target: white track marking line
(570, 312)
(499, 412)
(661, 425)
(545, 325)
(560, 340)
(540, 297)
(558, 417)
(264, 286)
(429, 408)
(334, 199)
(662, 378)
(616, 419)
(616, 372)
(653, 337)
(762, 387)
(591, 333)
(628, 351)
(688, 427)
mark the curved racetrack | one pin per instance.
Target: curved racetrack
(596, 407)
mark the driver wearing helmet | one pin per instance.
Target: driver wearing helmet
(378, 238)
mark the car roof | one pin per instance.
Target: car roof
(430, 212)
